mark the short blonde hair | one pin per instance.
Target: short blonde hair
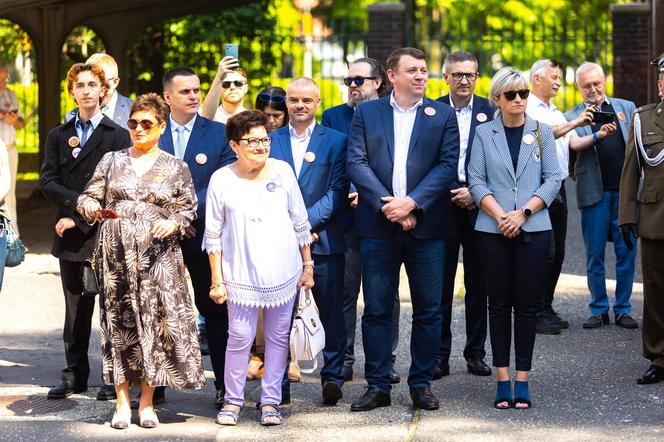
(506, 79)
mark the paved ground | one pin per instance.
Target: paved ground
(583, 382)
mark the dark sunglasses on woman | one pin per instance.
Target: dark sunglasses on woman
(359, 80)
(145, 124)
(265, 97)
(511, 95)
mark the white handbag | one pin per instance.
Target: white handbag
(307, 337)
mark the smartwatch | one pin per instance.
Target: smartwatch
(526, 211)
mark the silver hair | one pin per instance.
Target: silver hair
(303, 81)
(539, 67)
(588, 66)
(505, 79)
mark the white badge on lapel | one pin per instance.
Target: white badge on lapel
(528, 139)
(430, 111)
(75, 152)
(309, 157)
(481, 117)
(201, 158)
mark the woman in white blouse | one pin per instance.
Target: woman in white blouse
(257, 236)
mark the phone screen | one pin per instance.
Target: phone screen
(231, 50)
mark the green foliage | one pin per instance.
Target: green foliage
(14, 41)
(27, 139)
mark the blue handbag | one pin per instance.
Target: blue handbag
(15, 247)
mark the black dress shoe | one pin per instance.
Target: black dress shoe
(285, 396)
(424, 399)
(65, 388)
(370, 400)
(547, 325)
(440, 368)
(394, 376)
(556, 317)
(107, 393)
(478, 367)
(597, 321)
(347, 373)
(624, 320)
(653, 375)
(331, 393)
(219, 397)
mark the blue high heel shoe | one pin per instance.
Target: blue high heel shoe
(503, 395)
(521, 395)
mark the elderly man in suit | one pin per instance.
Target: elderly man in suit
(72, 152)
(597, 172)
(115, 105)
(201, 143)
(318, 157)
(461, 73)
(403, 155)
(366, 81)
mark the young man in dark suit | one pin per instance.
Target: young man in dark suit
(71, 155)
(201, 143)
(461, 73)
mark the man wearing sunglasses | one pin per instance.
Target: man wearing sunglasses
(460, 70)
(201, 143)
(229, 85)
(597, 172)
(115, 105)
(366, 81)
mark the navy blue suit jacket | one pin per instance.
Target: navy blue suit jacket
(323, 183)
(433, 156)
(207, 142)
(338, 118)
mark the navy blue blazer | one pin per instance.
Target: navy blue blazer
(433, 156)
(121, 114)
(323, 183)
(207, 151)
(338, 118)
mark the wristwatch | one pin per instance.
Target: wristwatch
(527, 212)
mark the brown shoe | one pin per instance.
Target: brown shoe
(254, 367)
(294, 372)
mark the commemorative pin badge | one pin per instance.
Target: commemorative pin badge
(273, 185)
(528, 139)
(481, 117)
(201, 158)
(76, 151)
(621, 116)
(536, 155)
(309, 157)
(74, 141)
(430, 111)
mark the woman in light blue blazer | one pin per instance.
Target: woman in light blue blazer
(513, 176)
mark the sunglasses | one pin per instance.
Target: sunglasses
(267, 98)
(147, 125)
(511, 95)
(236, 83)
(254, 142)
(359, 80)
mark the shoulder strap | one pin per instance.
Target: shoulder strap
(539, 139)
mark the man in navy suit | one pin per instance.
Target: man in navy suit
(201, 143)
(461, 72)
(403, 153)
(366, 81)
(115, 105)
(318, 158)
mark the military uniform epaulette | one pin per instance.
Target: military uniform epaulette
(646, 107)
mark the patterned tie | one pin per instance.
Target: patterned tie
(85, 128)
(179, 146)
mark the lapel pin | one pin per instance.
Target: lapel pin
(430, 111)
(481, 117)
(201, 158)
(76, 151)
(621, 116)
(74, 141)
(309, 157)
(528, 139)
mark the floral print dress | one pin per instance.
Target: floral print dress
(148, 322)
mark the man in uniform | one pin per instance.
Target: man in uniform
(641, 212)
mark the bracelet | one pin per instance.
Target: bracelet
(308, 263)
(595, 137)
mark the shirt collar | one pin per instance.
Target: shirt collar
(535, 100)
(188, 126)
(393, 103)
(113, 101)
(470, 103)
(95, 120)
(606, 100)
(307, 132)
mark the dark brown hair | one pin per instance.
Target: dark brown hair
(393, 59)
(151, 102)
(239, 124)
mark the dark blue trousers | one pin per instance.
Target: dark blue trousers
(381, 264)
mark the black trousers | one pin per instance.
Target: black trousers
(513, 270)
(475, 298)
(556, 256)
(652, 264)
(78, 322)
(216, 315)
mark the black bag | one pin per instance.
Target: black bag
(15, 247)
(89, 280)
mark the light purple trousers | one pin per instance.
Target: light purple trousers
(242, 323)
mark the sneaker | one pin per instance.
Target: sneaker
(624, 320)
(561, 322)
(596, 321)
(546, 325)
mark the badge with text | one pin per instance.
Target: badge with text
(430, 111)
(481, 117)
(75, 151)
(201, 158)
(309, 157)
(74, 141)
(621, 116)
(528, 139)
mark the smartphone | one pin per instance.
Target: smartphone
(603, 117)
(107, 214)
(231, 50)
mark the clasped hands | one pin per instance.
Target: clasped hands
(509, 224)
(463, 199)
(398, 209)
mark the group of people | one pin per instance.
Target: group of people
(258, 205)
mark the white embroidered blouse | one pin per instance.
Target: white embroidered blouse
(258, 226)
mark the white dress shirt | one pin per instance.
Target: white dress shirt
(404, 120)
(299, 145)
(109, 108)
(551, 116)
(187, 130)
(464, 119)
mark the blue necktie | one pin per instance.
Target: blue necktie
(179, 145)
(85, 128)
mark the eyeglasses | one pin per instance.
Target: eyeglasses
(236, 83)
(470, 76)
(147, 125)
(589, 86)
(359, 80)
(511, 95)
(263, 96)
(254, 142)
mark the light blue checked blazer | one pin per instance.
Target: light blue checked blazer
(491, 172)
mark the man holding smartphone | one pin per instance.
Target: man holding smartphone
(10, 121)
(229, 85)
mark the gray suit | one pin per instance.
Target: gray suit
(120, 116)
